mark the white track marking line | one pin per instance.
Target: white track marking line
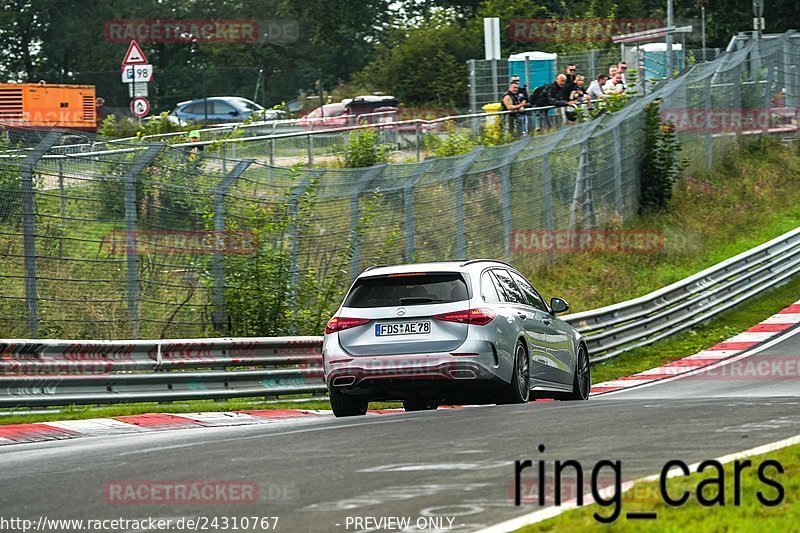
(551, 512)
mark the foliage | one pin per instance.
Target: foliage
(364, 149)
(454, 142)
(660, 163)
(495, 132)
(10, 185)
(260, 296)
(425, 64)
(114, 128)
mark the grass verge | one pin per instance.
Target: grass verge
(750, 515)
(691, 341)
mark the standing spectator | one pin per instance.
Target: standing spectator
(523, 96)
(621, 69)
(512, 101)
(612, 70)
(570, 72)
(552, 96)
(595, 90)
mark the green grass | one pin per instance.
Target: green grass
(693, 340)
(751, 196)
(751, 515)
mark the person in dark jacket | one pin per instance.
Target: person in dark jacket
(552, 96)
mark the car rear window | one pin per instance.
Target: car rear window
(408, 289)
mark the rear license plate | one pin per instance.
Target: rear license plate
(403, 328)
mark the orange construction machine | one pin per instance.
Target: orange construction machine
(48, 105)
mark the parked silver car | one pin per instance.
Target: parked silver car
(449, 333)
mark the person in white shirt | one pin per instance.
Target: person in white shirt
(595, 90)
(614, 85)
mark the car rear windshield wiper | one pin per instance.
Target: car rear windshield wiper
(418, 300)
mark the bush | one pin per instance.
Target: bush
(364, 149)
(452, 143)
(660, 164)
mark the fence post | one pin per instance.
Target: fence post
(473, 86)
(355, 213)
(218, 315)
(548, 202)
(310, 149)
(132, 260)
(495, 91)
(737, 98)
(408, 201)
(505, 185)
(618, 200)
(768, 94)
(294, 200)
(458, 175)
(29, 228)
(272, 152)
(418, 138)
(707, 137)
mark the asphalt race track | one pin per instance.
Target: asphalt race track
(455, 463)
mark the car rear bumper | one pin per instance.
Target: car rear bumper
(439, 375)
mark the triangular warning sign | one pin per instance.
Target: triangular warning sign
(134, 56)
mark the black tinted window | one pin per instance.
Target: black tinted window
(416, 289)
(530, 293)
(512, 293)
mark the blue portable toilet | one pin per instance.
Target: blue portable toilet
(654, 59)
(542, 67)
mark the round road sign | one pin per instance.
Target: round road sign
(140, 107)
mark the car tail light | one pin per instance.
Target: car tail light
(338, 323)
(477, 317)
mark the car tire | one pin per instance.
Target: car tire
(519, 390)
(582, 380)
(344, 405)
(419, 405)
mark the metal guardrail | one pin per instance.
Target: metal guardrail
(59, 372)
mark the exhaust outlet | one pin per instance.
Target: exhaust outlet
(462, 374)
(343, 381)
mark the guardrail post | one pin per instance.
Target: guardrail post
(618, 199)
(218, 315)
(131, 256)
(707, 137)
(29, 228)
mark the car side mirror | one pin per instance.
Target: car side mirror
(559, 305)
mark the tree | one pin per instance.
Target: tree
(426, 64)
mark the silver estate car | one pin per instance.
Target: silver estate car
(450, 333)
